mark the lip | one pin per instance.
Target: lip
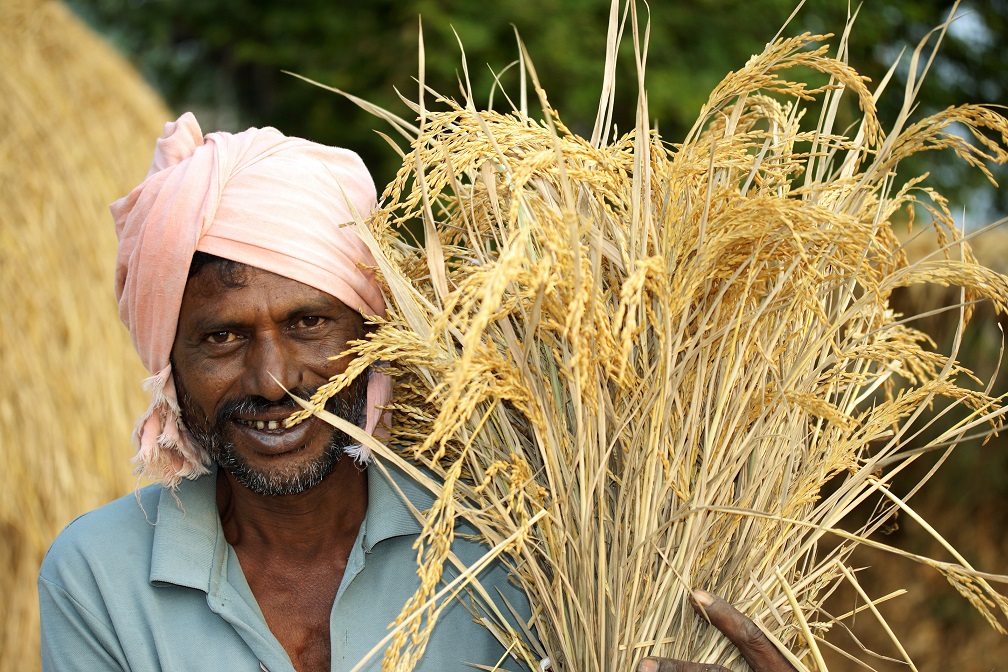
(274, 442)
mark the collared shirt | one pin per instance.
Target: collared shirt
(149, 583)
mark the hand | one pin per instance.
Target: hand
(754, 646)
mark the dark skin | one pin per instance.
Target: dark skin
(254, 338)
(758, 651)
(293, 549)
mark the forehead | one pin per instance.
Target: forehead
(233, 289)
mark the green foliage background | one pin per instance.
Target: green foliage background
(224, 59)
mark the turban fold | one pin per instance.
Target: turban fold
(281, 204)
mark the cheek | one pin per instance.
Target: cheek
(322, 355)
(336, 366)
(204, 387)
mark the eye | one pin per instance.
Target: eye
(309, 322)
(221, 337)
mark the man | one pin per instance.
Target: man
(264, 547)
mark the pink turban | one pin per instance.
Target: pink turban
(257, 197)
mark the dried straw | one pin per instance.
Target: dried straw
(78, 124)
(634, 367)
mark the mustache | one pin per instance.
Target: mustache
(254, 405)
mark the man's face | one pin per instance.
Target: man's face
(241, 341)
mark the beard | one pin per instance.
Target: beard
(214, 436)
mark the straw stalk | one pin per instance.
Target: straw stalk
(639, 367)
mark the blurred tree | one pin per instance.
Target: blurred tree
(225, 58)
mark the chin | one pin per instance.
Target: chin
(290, 479)
(286, 474)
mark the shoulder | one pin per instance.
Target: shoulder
(101, 604)
(106, 540)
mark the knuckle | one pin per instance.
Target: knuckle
(752, 637)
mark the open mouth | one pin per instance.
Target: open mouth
(269, 437)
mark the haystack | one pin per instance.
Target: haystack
(78, 128)
(634, 364)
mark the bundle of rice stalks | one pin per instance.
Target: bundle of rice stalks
(78, 124)
(634, 367)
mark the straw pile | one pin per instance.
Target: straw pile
(78, 128)
(633, 367)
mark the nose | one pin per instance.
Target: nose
(271, 367)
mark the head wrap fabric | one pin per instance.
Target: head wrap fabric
(281, 204)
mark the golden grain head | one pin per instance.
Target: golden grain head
(634, 365)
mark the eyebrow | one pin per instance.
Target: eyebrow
(311, 308)
(212, 324)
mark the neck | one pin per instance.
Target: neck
(303, 525)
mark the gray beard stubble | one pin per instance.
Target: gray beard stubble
(213, 437)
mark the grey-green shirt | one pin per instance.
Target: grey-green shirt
(147, 583)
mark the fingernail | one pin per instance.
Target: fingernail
(702, 597)
(648, 665)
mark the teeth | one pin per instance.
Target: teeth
(272, 425)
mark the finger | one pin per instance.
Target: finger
(669, 665)
(755, 647)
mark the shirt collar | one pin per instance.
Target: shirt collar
(388, 515)
(189, 548)
(188, 535)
